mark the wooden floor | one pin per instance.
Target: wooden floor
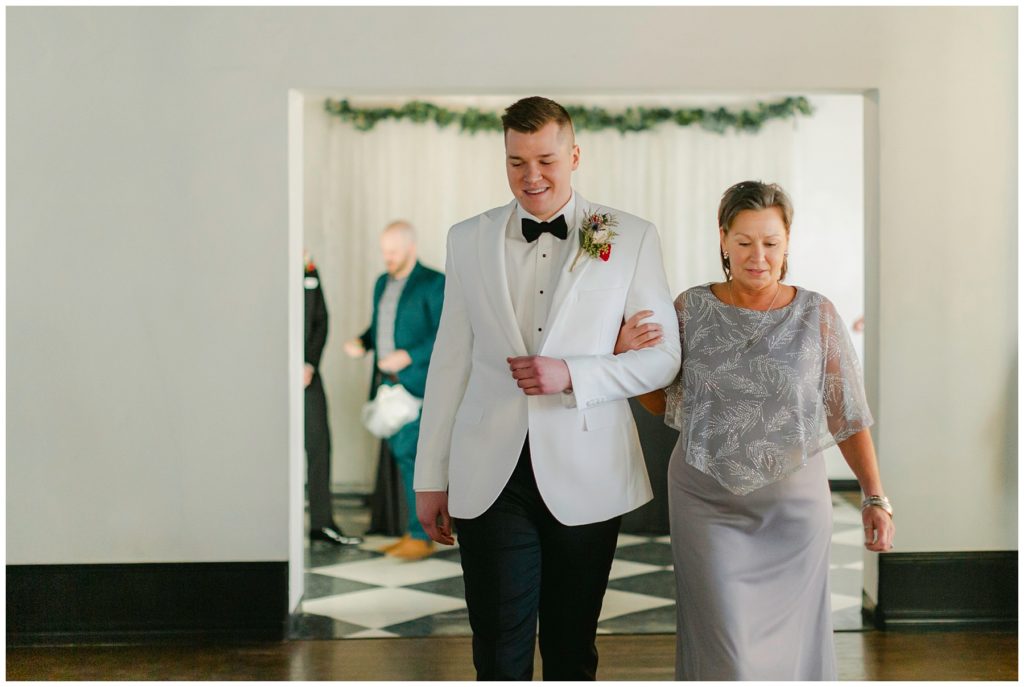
(892, 655)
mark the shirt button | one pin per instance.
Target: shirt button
(543, 255)
(539, 329)
(542, 292)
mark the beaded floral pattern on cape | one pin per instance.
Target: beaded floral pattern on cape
(750, 414)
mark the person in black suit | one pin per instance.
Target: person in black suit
(318, 434)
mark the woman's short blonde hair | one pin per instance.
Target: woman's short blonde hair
(752, 195)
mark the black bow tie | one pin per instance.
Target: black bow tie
(556, 227)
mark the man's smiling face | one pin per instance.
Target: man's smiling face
(540, 166)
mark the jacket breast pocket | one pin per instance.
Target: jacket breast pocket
(601, 295)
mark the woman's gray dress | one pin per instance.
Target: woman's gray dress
(759, 397)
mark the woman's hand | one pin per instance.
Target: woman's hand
(879, 529)
(634, 336)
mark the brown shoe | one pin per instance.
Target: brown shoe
(394, 545)
(413, 549)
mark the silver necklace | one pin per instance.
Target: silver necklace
(764, 315)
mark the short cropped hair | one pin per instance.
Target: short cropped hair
(532, 114)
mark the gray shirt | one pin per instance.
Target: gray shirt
(386, 310)
(761, 393)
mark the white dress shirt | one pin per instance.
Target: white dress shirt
(533, 270)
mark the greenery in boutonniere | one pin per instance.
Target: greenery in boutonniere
(596, 236)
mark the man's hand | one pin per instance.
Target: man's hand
(537, 375)
(307, 375)
(393, 363)
(354, 348)
(432, 512)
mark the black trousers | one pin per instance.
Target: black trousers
(519, 563)
(318, 457)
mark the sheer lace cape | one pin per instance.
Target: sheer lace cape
(750, 414)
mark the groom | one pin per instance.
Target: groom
(527, 441)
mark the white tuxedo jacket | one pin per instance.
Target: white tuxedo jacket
(584, 447)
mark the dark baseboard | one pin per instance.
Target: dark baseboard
(146, 602)
(844, 485)
(945, 589)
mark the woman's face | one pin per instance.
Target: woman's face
(756, 244)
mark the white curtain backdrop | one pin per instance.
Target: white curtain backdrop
(357, 182)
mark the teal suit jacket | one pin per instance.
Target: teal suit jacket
(417, 318)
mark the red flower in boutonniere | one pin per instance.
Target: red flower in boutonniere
(308, 260)
(596, 236)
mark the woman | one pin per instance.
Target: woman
(769, 380)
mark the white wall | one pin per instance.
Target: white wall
(148, 247)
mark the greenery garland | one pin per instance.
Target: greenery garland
(472, 120)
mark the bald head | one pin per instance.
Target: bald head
(398, 248)
(401, 228)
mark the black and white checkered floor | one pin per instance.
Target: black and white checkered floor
(357, 592)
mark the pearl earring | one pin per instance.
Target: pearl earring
(725, 254)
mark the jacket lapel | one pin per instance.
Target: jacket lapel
(494, 275)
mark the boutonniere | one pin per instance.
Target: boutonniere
(308, 260)
(596, 236)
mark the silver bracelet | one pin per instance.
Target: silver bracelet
(880, 501)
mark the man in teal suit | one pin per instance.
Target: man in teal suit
(407, 302)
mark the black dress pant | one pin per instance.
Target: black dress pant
(318, 457)
(519, 563)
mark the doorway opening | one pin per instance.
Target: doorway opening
(347, 183)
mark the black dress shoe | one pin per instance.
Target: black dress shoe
(334, 536)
